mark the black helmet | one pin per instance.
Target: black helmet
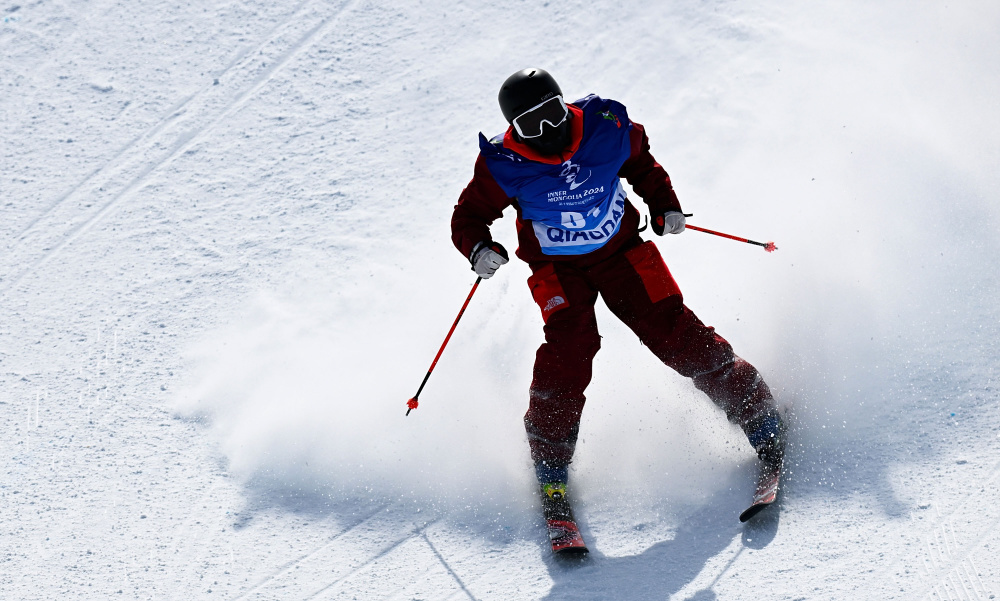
(524, 90)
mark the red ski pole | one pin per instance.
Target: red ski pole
(412, 403)
(768, 246)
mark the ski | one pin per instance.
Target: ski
(564, 534)
(767, 489)
(565, 538)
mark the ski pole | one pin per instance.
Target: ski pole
(412, 403)
(768, 246)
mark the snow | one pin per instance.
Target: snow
(225, 267)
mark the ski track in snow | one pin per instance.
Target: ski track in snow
(184, 125)
(948, 564)
(317, 573)
(172, 113)
(121, 256)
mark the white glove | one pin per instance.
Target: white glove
(487, 258)
(673, 222)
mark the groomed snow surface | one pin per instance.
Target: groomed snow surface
(225, 266)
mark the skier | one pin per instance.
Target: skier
(560, 165)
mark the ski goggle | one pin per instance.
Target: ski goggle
(552, 111)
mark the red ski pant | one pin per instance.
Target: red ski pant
(637, 287)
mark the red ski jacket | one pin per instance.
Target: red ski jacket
(483, 200)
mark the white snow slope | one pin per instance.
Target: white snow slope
(225, 266)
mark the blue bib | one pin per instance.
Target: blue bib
(577, 206)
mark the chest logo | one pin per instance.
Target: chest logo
(611, 117)
(571, 171)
